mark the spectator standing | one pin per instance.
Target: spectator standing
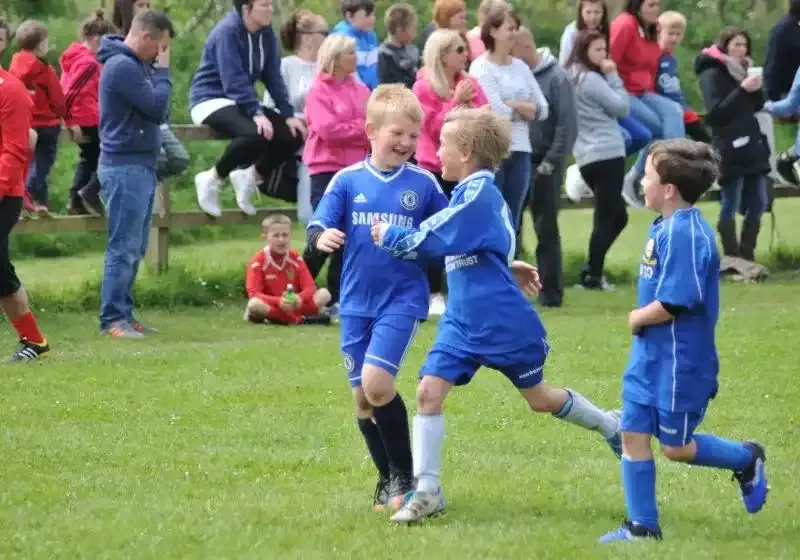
(732, 99)
(398, 58)
(16, 142)
(780, 65)
(475, 44)
(80, 81)
(513, 92)
(301, 34)
(442, 85)
(336, 107)
(447, 14)
(241, 49)
(5, 35)
(636, 53)
(551, 140)
(599, 150)
(134, 101)
(42, 82)
(173, 159)
(359, 23)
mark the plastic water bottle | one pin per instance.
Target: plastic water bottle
(289, 293)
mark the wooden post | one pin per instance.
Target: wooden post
(158, 250)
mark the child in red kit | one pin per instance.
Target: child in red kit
(279, 284)
(43, 85)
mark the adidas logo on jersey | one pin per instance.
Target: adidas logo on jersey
(360, 198)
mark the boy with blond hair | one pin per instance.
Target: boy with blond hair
(382, 300)
(398, 58)
(672, 28)
(486, 307)
(272, 271)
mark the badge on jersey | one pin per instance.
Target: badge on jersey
(409, 200)
(290, 273)
(648, 257)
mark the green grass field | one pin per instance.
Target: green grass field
(218, 439)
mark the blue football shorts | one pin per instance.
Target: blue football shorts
(524, 368)
(674, 429)
(382, 342)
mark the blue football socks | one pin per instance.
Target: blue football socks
(639, 482)
(713, 451)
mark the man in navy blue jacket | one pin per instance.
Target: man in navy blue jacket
(135, 90)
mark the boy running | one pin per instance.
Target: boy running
(383, 300)
(481, 326)
(672, 371)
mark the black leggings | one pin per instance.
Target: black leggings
(316, 259)
(89, 153)
(10, 210)
(605, 178)
(247, 146)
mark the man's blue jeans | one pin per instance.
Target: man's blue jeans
(128, 192)
(513, 178)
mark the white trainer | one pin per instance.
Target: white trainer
(419, 506)
(207, 184)
(244, 186)
(576, 187)
(629, 194)
(437, 306)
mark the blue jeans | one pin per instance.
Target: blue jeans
(750, 189)
(636, 135)
(661, 116)
(44, 156)
(514, 181)
(128, 192)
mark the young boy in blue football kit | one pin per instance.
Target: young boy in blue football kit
(672, 371)
(383, 300)
(488, 322)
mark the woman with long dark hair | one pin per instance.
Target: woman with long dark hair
(732, 98)
(599, 149)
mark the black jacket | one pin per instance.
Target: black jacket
(730, 112)
(783, 57)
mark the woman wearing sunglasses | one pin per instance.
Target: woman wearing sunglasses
(441, 86)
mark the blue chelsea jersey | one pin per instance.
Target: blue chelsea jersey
(373, 283)
(487, 313)
(673, 366)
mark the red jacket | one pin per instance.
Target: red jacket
(15, 123)
(42, 82)
(636, 57)
(80, 80)
(268, 275)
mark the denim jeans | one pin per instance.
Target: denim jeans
(173, 157)
(514, 181)
(636, 135)
(661, 116)
(751, 188)
(128, 192)
(44, 156)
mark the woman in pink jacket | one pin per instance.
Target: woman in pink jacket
(335, 111)
(441, 86)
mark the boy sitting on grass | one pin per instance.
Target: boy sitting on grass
(279, 285)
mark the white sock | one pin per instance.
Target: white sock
(428, 438)
(583, 412)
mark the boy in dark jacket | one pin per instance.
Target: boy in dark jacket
(732, 99)
(552, 141)
(398, 58)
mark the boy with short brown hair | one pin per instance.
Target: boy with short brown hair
(398, 58)
(43, 84)
(279, 284)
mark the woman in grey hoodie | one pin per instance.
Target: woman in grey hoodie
(600, 99)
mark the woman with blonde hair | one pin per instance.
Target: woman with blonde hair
(335, 111)
(441, 86)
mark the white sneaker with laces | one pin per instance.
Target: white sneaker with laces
(576, 187)
(419, 506)
(629, 194)
(437, 306)
(207, 184)
(244, 186)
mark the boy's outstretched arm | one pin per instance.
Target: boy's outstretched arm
(450, 231)
(788, 105)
